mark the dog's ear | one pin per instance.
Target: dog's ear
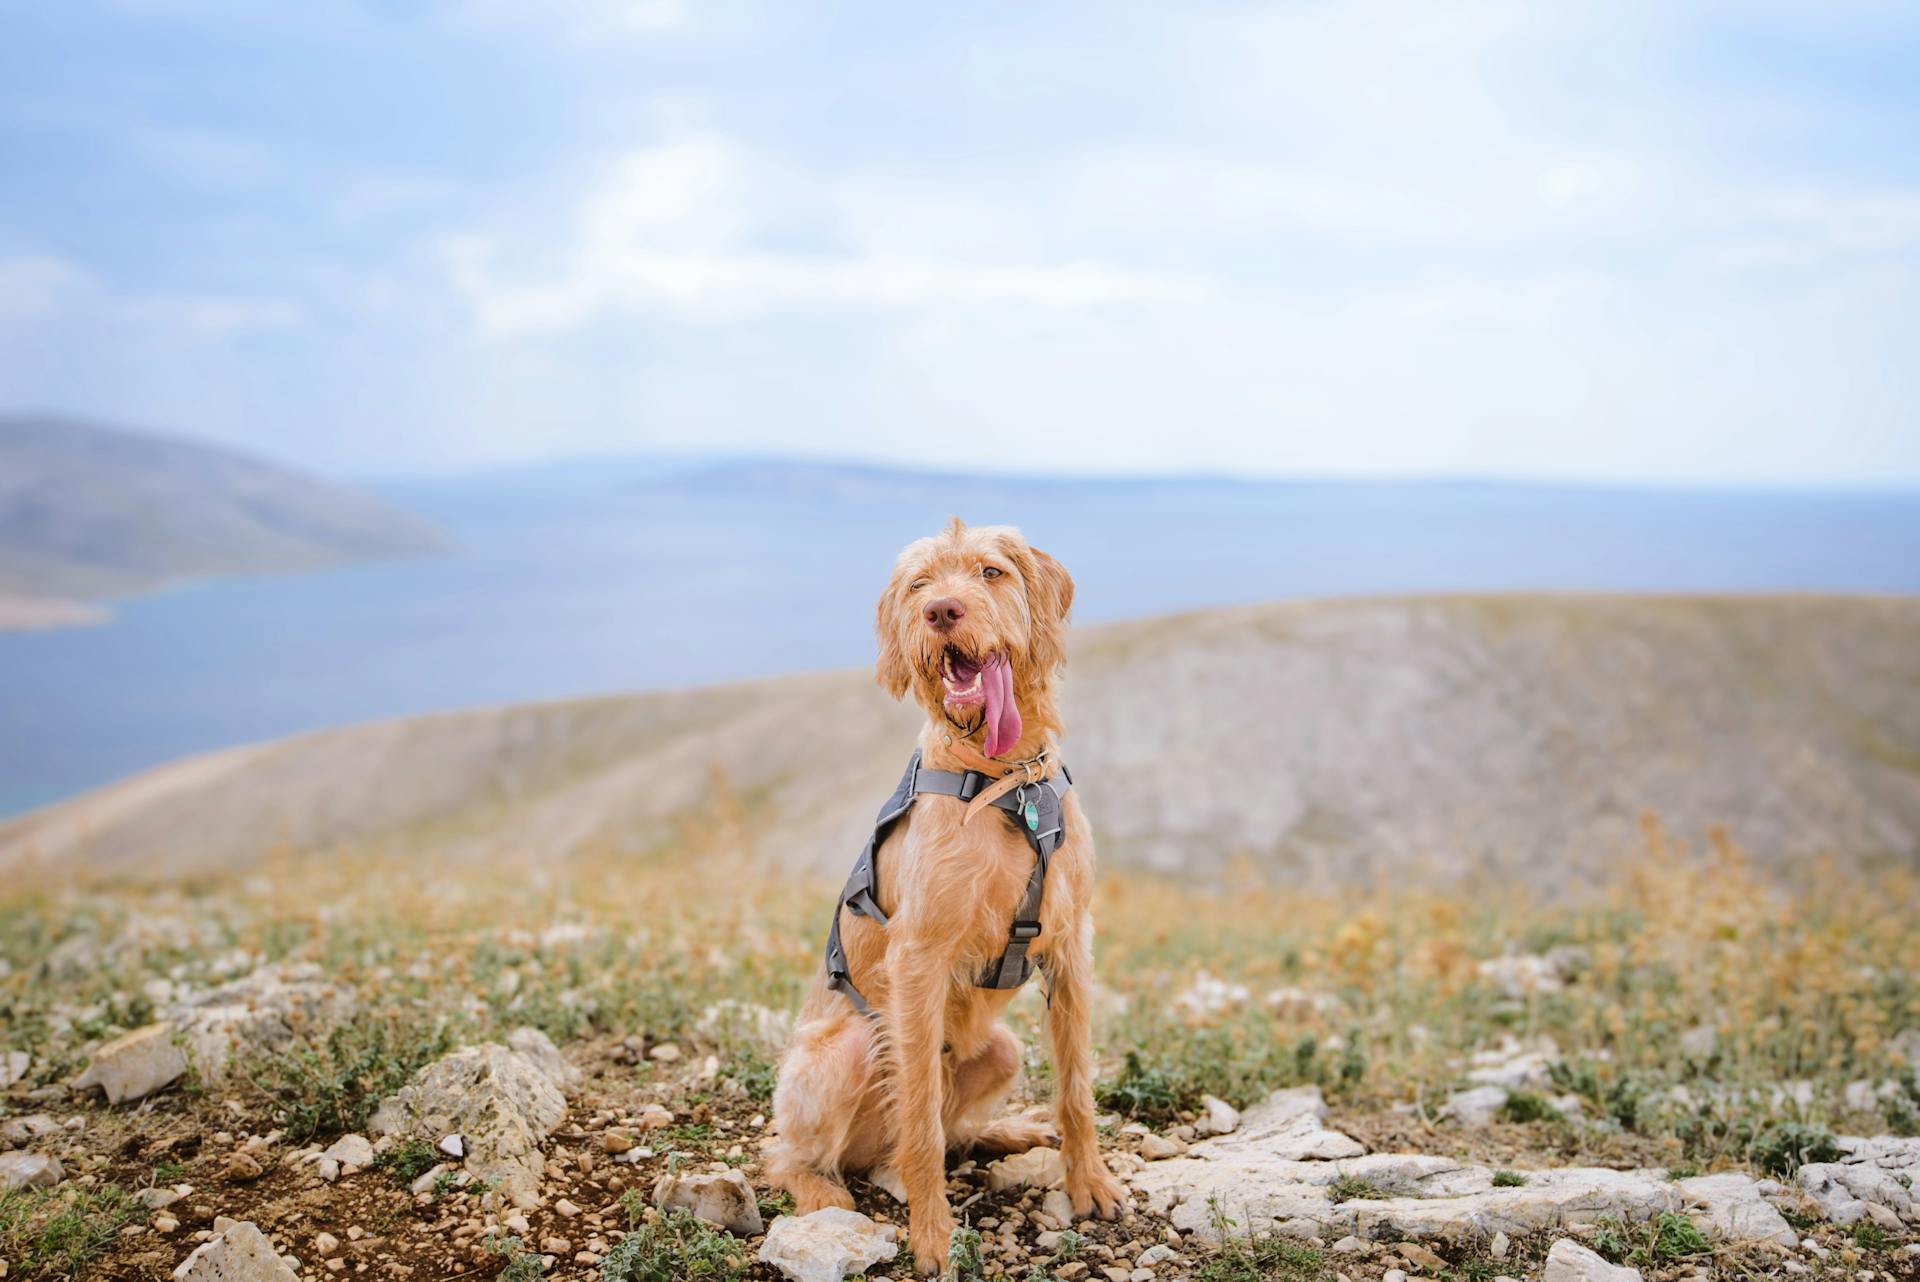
(892, 669)
(1049, 602)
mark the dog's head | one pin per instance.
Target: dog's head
(974, 622)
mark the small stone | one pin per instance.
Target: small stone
(424, 1182)
(1221, 1118)
(1568, 1261)
(29, 1171)
(453, 1146)
(616, 1142)
(516, 1223)
(1058, 1205)
(1155, 1255)
(325, 1244)
(719, 1197)
(1422, 1256)
(165, 1224)
(566, 1208)
(1114, 1273)
(664, 1053)
(1499, 1247)
(135, 1065)
(16, 1132)
(1348, 1245)
(655, 1116)
(242, 1168)
(1036, 1168)
(1157, 1148)
(1394, 1275)
(236, 1251)
(556, 1246)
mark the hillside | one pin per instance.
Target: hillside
(1323, 742)
(88, 512)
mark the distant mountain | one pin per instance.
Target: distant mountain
(88, 512)
(1385, 741)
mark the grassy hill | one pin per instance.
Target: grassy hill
(1318, 743)
(88, 512)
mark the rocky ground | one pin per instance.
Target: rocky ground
(337, 1071)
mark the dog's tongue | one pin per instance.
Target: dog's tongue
(1003, 715)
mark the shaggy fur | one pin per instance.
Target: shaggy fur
(927, 1076)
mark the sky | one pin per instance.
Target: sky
(1613, 241)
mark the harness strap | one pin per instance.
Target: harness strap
(1037, 810)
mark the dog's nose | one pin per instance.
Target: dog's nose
(944, 613)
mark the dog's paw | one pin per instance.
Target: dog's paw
(931, 1237)
(1097, 1192)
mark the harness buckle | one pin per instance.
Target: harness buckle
(971, 785)
(1024, 930)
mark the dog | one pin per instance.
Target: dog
(973, 625)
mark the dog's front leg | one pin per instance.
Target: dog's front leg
(1090, 1185)
(916, 1028)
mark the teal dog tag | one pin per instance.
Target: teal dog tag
(1032, 813)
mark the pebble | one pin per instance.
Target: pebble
(1347, 1245)
(1394, 1275)
(556, 1246)
(165, 1224)
(1499, 1247)
(664, 1053)
(453, 1146)
(566, 1208)
(242, 1168)
(325, 1244)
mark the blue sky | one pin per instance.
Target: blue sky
(1612, 241)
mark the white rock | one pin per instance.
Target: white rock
(1287, 1125)
(237, 1252)
(1207, 996)
(499, 1101)
(1522, 976)
(29, 1171)
(1476, 1107)
(1568, 1261)
(261, 1012)
(1844, 1190)
(17, 1131)
(135, 1065)
(1733, 1210)
(1348, 1245)
(538, 1047)
(1058, 1205)
(664, 1053)
(14, 1066)
(1157, 1254)
(351, 1150)
(730, 1019)
(452, 1146)
(158, 1199)
(1394, 1275)
(826, 1246)
(1221, 1117)
(1157, 1148)
(424, 1182)
(1499, 1247)
(325, 1244)
(718, 1197)
(1039, 1168)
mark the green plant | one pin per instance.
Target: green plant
(1069, 1244)
(1785, 1149)
(1248, 1259)
(1352, 1188)
(1524, 1106)
(1508, 1179)
(1869, 1236)
(58, 1232)
(676, 1247)
(408, 1160)
(332, 1085)
(445, 1184)
(754, 1073)
(1665, 1238)
(1682, 1171)
(966, 1258)
(521, 1266)
(1142, 1092)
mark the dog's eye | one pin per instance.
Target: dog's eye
(916, 585)
(991, 572)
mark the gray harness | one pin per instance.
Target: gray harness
(1037, 812)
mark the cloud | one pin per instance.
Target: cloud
(679, 228)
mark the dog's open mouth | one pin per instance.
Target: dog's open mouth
(985, 683)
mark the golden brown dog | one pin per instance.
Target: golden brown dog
(974, 624)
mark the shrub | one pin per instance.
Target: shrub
(1523, 1106)
(331, 1086)
(966, 1257)
(676, 1247)
(58, 1232)
(408, 1160)
(1352, 1188)
(1785, 1149)
(1508, 1179)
